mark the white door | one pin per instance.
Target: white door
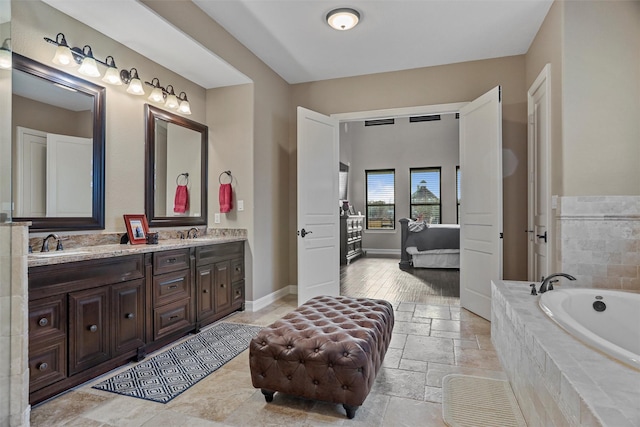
(539, 211)
(31, 197)
(481, 201)
(69, 176)
(318, 219)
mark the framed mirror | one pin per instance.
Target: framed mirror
(58, 129)
(175, 169)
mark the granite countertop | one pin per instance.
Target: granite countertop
(113, 250)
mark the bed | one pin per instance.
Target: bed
(429, 245)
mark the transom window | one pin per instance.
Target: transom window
(425, 195)
(381, 199)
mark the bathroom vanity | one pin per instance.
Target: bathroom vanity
(91, 311)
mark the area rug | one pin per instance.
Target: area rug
(165, 376)
(474, 401)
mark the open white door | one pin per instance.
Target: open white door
(539, 143)
(318, 219)
(481, 201)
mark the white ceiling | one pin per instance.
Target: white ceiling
(293, 38)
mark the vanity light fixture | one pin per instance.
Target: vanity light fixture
(172, 99)
(157, 94)
(112, 75)
(63, 55)
(5, 54)
(131, 78)
(343, 19)
(185, 107)
(88, 66)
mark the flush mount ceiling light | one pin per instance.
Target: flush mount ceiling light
(343, 19)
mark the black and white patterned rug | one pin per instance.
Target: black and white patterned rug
(168, 374)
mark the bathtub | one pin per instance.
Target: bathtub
(607, 320)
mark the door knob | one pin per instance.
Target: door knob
(304, 232)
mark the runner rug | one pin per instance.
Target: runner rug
(165, 376)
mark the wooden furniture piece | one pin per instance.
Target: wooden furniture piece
(351, 227)
(329, 348)
(88, 317)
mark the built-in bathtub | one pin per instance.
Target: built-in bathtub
(558, 379)
(605, 319)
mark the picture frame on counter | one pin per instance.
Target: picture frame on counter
(137, 228)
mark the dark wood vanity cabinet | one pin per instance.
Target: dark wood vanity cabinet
(88, 317)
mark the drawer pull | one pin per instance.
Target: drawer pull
(179, 279)
(173, 317)
(238, 268)
(222, 268)
(222, 285)
(125, 276)
(43, 322)
(204, 291)
(173, 287)
(43, 366)
(130, 316)
(171, 260)
(93, 328)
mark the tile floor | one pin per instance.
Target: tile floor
(429, 341)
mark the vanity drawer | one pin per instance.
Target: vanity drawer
(222, 251)
(171, 318)
(47, 318)
(47, 363)
(237, 269)
(171, 287)
(168, 261)
(237, 293)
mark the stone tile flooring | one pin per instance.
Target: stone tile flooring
(429, 342)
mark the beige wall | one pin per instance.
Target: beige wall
(441, 85)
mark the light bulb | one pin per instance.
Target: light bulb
(89, 67)
(156, 95)
(112, 76)
(172, 102)
(184, 107)
(135, 87)
(64, 57)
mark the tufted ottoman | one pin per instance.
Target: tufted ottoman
(329, 349)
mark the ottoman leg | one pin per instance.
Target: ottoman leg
(351, 410)
(268, 394)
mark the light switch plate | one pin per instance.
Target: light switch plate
(240, 205)
(216, 218)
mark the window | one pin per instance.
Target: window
(458, 192)
(425, 195)
(381, 199)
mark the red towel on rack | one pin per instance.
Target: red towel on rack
(181, 201)
(226, 198)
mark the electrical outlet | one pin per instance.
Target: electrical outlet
(240, 205)
(216, 218)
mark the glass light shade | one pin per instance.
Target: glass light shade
(172, 102)
(156, 95)
(5, 59)
(184, 107)
(112, 76)
(64, 57)
(135, 87)
(89, 67)
(343, 19)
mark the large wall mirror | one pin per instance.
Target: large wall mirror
(58, 129)
(175, 169)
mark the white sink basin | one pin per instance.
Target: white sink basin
(57, 253)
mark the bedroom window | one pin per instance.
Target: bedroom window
(381, 199)
(425, 195)
(458, 193)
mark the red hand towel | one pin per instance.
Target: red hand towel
(181, 201)
(226, 198)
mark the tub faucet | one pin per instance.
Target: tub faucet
(547, 283)
(45, 243)
(195, 233)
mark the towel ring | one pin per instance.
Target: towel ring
(228, 173)
(186, 177)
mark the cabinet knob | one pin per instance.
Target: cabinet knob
(43, 366)
(205, 291)
(93, 328)
(43, 322)
(222, 285)
(130, 316)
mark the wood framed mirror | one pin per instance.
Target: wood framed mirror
(176, 158)
(58, 129)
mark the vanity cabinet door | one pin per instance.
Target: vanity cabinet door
(205, 296)
(128, 316)
(88, 328)
(222, 284)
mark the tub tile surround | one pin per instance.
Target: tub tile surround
(557, 379)
(598, 241)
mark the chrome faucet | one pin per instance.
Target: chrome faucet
(195, 233)
(547, 283)
(45, 243)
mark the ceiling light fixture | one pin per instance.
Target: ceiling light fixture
(343, 19)
(5, 54)
(131, 78)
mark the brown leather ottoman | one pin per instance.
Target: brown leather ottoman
(330, 349)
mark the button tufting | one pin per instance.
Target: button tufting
(345, 354)
(289, 377)
(344, 387)
(316, 382)
(330, 365)
(316, 350)
(289, 346)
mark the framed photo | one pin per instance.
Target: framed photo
(137, 228)
(352, 210)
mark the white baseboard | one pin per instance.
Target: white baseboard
(394, 252)
(271, 298)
